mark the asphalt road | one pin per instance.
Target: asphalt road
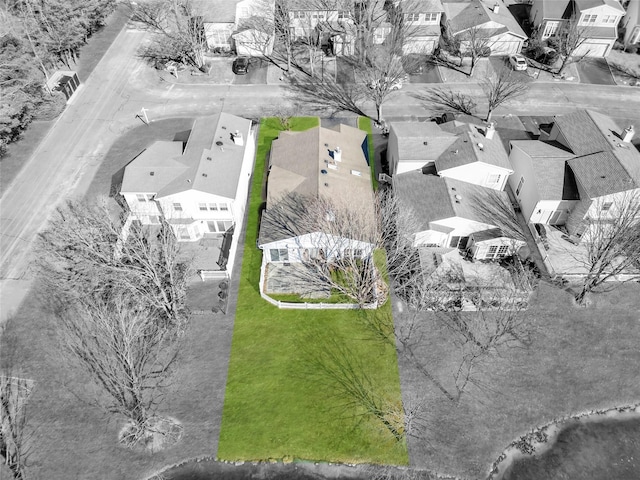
(110, 100)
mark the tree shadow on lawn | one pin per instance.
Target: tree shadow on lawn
(580, 359)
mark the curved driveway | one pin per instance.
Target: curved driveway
(107, 104)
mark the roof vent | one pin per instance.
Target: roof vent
(453, 188)
(223, 127)
(326, 144)
(425, 143)
(209, 158)
(496, 8)
(326, 184)
(490, 130)
(333, 166)
(219, 143)
(323, 171)
(357, 173)
(204, 174)
(627, 134)
(481, 146)
(337, 154)
(237, 138)
(152, 173)
(458, 198)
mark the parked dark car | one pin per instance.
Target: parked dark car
(240, 65)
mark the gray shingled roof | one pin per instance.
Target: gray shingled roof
(435, 198)
(587, 4)
(466, 149)
(412, 136)
(600, 32)
(215, 11)
(556, 9)
(601, 174)
(464, 15)
(553, 180)
(204, 166)
(154, 168)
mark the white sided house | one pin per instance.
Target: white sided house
(460, 151)
(581, 170)
(453, 214)
(201, 191)
(596, 21)
(492, 22)
(321, 163)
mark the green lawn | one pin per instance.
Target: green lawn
(364, 123)
(275, 406)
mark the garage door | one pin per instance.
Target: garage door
(592, 49)
(503, 47)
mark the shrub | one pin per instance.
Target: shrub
(631, 49)
(553, 42)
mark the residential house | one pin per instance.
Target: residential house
(243, 26)
(489, 20)
(322, 163)
(452, 215)
(422, 26)
(631, 23)
(461, 151)
(201, 191)
(596, 21)
(576, 172)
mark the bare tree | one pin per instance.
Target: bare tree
(128, 354)
(611, 242)
(501, 87)
(571, 38)
(14, 393)
(345, 235)
(441, 100)
(329, 95)
(494, 209)
(86, 250)
(179, 31)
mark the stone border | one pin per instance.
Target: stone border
(540, 439)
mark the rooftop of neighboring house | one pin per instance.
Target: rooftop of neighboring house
(211, 161)
(465, 14)
(449, 145)
(598, 157)
(433, 198)
(472, 146)
(427, 6)
(558, 9)
(553, 179)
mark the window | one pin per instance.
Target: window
(550, 29)
(609, 19)
(502, 251)
(183, 233)
(177, 207)
(589, 18)
(493, 179)
(154, 219)
(224, 207)
(520, 183)
(141, 197)
(279, 254)
(202, 206)
(298, 14)
(497, 251)
(606, 206)
(343, 15)
(357, 252)
(431, 17)
(412, 17)
(213, 207)
(319, 16)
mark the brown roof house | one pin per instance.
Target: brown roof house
(457, 150)
(576, 172)
(199, 188)
(596, 21)
(326, 164)
(490, 20)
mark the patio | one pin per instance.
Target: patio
(205, 253)
(288, 278)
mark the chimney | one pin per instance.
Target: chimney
(337, 154)
(237, 138)
(490, 130)
(627, 134)
(496, 8)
